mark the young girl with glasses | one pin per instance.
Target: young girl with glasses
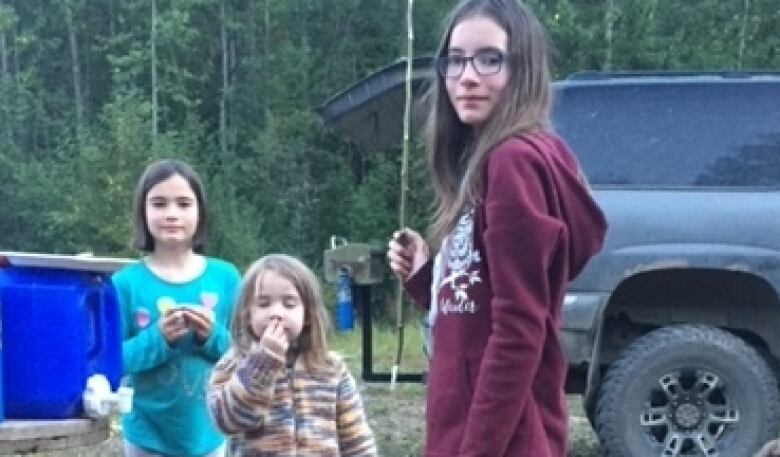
(175, 306)
(278, 391)
(514, 222)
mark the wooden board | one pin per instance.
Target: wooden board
(28, 436)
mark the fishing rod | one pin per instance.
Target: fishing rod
(399, 304)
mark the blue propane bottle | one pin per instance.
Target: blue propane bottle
(345, 318)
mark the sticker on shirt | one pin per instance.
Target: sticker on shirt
(209, 300)
(164, 304)
(142, 317)
(461, 260)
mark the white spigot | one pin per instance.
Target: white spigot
(100, 401)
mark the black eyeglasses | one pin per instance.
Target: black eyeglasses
(485, 62)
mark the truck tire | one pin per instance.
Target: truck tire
(687, 390)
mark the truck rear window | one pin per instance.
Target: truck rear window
(673, 134)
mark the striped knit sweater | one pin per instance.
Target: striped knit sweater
(271, 410)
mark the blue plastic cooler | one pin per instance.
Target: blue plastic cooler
(59, 326)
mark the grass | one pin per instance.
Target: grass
(349, 345)
(396, 417)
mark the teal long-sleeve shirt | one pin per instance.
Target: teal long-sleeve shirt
(169, 414)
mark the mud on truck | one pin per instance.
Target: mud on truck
(672, 332)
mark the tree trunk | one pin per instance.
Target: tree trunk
(743, 33)
(302, 11)
(86, 92)
(3, 56)
(3, 75)
(609, 19)
(3, 46)
(76, 70)
(16, 69)
(653, 13)
(225, 86)
(267, 59)
(154, 71)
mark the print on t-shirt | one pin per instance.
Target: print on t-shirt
(461, 268)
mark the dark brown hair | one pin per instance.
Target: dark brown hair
(455, 155)
(154, 174)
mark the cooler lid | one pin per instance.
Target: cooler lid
(83, 262)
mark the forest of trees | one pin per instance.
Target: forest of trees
(93, 90)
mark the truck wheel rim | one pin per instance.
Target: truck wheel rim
(688, 413)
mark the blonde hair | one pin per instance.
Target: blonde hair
(312, 342)
(455, 155)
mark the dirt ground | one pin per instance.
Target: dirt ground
(397, 420)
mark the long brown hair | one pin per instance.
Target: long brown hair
(312, 342)
(455, 154)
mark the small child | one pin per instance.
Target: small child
(175, 306)
(278, 391)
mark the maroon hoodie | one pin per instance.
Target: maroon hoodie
(495, 385)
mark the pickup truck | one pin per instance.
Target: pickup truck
(672, 332)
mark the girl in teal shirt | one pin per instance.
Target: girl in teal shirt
(175, 306)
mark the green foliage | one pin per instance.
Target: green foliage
(374, 210)
(282, 181)
(299, 188)
(235, 228)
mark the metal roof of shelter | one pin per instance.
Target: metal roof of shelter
(371, 111)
